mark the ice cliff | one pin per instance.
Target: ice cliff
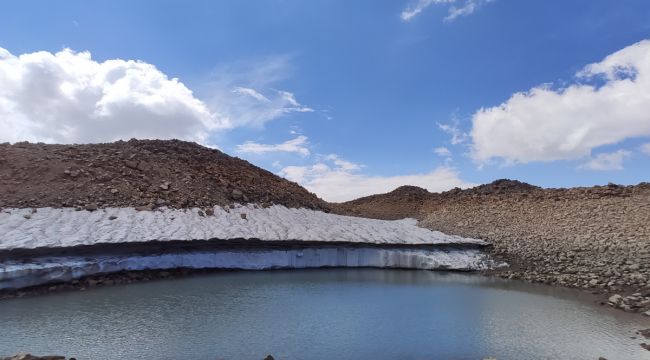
(343, 241)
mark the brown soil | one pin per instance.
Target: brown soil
(146, 173)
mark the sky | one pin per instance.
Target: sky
(347, 98)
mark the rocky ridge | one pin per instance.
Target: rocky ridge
(408, 200)
(141, 173)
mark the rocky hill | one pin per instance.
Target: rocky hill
(403, 202)
(407, 201)
(139, 173)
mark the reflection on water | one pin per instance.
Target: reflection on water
(321, 314)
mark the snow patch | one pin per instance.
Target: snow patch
(63, 227)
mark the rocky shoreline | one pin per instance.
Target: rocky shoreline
(596, 239)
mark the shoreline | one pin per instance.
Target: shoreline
(127, 277)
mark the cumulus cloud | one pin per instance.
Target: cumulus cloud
(342, 181)
(456, 8)
(607, 161)
(297, 145)
(67, 97)
(608, 103)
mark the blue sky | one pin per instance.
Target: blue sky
(365, 95)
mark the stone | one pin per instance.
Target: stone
(269, 357)
(164, 185)
(71, 173)
(615, 299)
(209, 212)
(243, 216)
(112, 217)
(237, 194)
(27, 216)
(148, 207)
(131, 164)
(91, 207)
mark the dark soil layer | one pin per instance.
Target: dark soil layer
(146, 248)
(145, 173)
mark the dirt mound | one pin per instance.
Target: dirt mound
(403, 202)
(502, 186)
(140, 173)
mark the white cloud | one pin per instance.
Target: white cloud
(68, 97)
(466, 7)
(248, 107)
(342, 182)
(297, 145)
(544, 124)
(244, 93)
(607, 161)
(457, 135)
(342, 164)
(645, 148)
(442, 151)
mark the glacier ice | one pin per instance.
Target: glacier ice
(62, 269)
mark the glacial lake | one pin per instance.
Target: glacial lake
(321, 314)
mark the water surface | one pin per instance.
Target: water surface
(321, 314)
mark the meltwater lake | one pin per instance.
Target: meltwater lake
(321, 314)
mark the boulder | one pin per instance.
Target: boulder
(615, 299)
